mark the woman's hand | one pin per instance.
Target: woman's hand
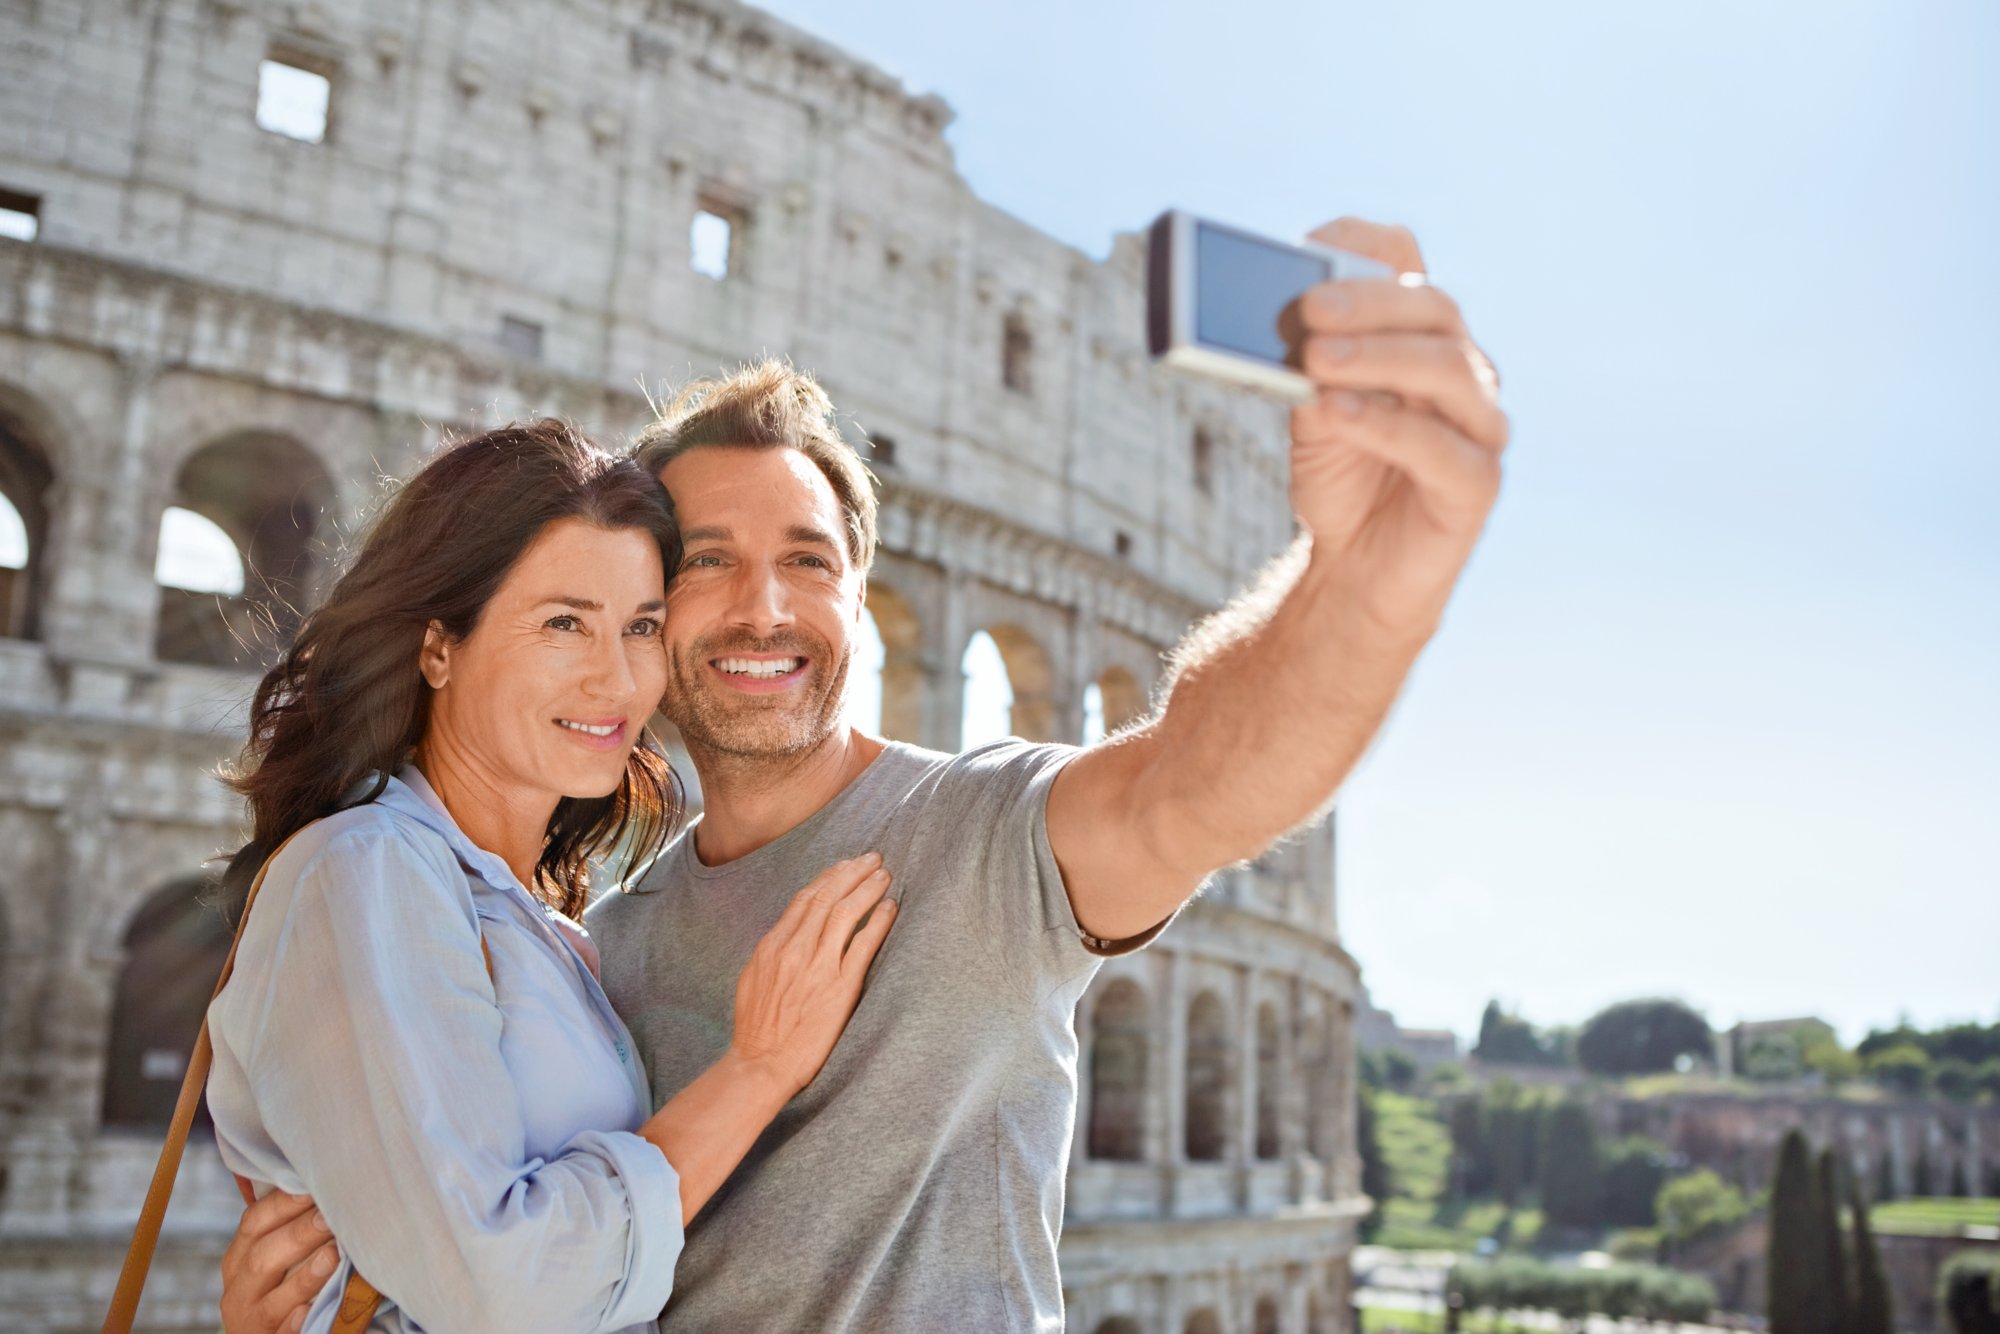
(803, 980)
(793, 999)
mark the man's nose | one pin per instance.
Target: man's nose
(762, 602)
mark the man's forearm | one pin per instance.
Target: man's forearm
(1270, 705)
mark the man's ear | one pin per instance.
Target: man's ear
(434, 659)
(861, 602)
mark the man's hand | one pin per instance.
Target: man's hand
(279, 1258)
(1271, 701)
(1396, 462)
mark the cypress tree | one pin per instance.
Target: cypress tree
(1960, 1187)
(1871, 1286)
(1921, 1185)
(1570, 1166)
(1839, 1295)
(1798, 1301)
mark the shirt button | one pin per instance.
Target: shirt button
(621, 1051)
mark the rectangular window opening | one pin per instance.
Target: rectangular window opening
(712, 241)
(522, 338)
(881, 451)
(294, 95)
(20, 215)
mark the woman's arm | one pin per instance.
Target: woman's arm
(792, 1001)
(369, 1035)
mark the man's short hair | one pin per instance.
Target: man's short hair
(768, 405)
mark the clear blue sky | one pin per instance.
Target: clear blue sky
(1716, 713)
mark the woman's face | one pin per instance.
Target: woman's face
(550, 690)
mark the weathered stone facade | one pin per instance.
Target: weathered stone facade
(222, 319)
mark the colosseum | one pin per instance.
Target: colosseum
(255, 255)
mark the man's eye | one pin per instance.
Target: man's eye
(819, 562)
(706, 562)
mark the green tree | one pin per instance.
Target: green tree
(1968, 1292)
(1569, 1166)
(1835, 1063)
(1506, 1132)
(1375, 1182)
(1922, 1183)
(1885, 1180)
(1640, 1037)
(1960, 1188)
(1955, 1078)
(1510, 1040)
(1471, 1159)
(1826, 1196)
(1799, 1300)
(1872, 1314)
(1903, 1068)
(1988, 1077)
(1634, 1171)
(1693, 1206)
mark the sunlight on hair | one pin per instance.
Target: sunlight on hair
(864, 677)
(13, 537)
(197, 555)
(989, 694)
(1093, 714)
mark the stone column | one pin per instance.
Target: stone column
(1243, 1148)
(1171, 1081)
(101, 600)
(945, 634)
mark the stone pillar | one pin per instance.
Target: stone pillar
(1345, 1142)
(1243, 1145)
(101, 601)
(1172, 1077)
(945, 634)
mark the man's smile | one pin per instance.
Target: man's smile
(757, 673)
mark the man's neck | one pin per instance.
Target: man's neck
(749, 801)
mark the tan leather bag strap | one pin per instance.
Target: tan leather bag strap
(357, 1300)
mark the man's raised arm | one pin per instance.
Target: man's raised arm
(1271, 701)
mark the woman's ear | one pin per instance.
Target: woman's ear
(434, 659)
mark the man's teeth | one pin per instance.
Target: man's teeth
(606, 730)
(751, 667)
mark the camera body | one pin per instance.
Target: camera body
(1215, 295)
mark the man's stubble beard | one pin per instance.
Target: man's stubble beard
(701, 710)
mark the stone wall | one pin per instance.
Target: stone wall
(219, 318)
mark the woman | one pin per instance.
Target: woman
(414, 1033)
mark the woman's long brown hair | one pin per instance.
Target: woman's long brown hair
(346, 705)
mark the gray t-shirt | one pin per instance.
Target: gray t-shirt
(917, 1183)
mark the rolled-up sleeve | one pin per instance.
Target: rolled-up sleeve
(377, 1069)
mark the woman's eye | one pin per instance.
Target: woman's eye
(644, 628)
(564, 623)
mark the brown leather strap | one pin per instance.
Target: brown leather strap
(357, 1301)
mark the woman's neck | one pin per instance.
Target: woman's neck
(508, 821)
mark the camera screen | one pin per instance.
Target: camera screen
(1241, 286)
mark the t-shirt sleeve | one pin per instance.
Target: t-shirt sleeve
(1023, 886)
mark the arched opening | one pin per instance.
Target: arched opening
(269, 497)
(26, 482)
(1008, 684)
(1124, 699)
(898, 689)
(1264, 1320)
(1118, 1324)
(1210, 1076)
(1269, 1092)
(1204, 1321)
(174, 950)
(1094, 729)
(1316, 1315)
(1118, 1045)
(864, 677)
(1017, 351)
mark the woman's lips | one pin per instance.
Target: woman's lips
(594, 733)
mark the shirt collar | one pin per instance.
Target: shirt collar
(408, 792)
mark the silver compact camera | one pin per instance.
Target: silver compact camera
(1215, 295)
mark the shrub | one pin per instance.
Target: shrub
(1968, 1292)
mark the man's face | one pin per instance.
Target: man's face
(762, 614)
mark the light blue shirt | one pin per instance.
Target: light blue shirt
(468, 1138)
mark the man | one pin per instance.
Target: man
(917, 1183)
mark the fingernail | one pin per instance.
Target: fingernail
(323, 1263)
(319, 1221)
(1337, 349)
(879, 874)
(1347, 403)
(871, 858)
